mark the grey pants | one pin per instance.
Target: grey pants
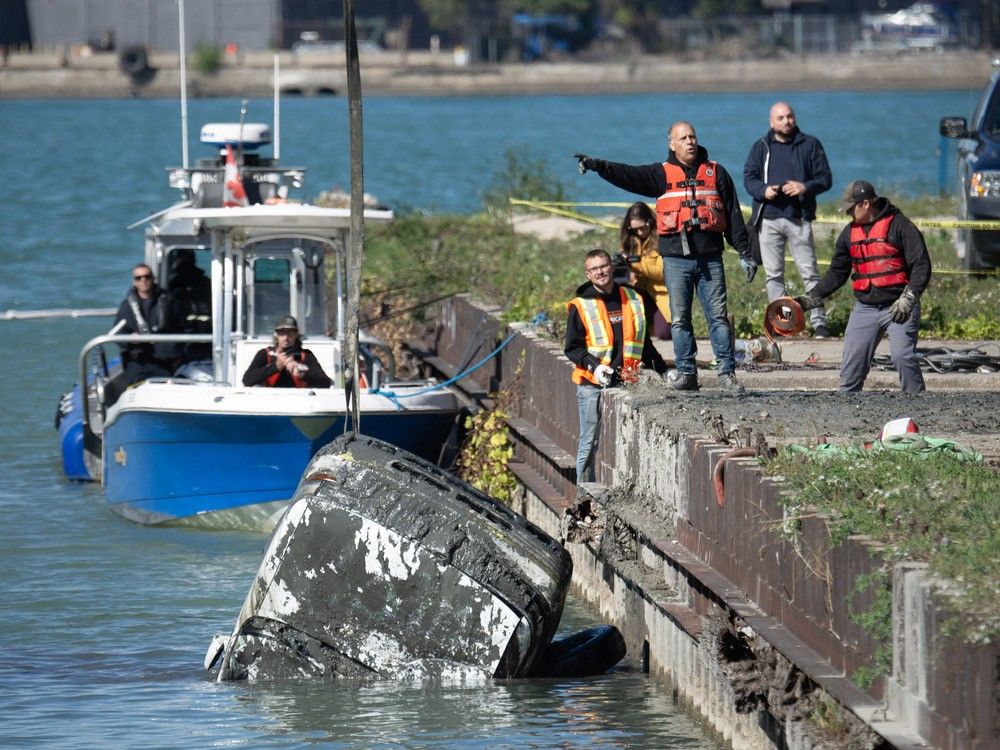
(864, 331)
(797, 233)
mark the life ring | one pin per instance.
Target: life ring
(134, 61)
(589, 652)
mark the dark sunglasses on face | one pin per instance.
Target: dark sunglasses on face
(144, 277)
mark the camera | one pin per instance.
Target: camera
(621, 266)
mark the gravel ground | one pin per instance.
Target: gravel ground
(969, 418)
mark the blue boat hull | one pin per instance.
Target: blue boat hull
(162, 467)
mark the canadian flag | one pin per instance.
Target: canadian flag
(233, 193)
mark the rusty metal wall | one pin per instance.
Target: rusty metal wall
(796, 578)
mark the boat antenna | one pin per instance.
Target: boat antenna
(182, 50)
(243, 119)
(355, 250)
(277, 110)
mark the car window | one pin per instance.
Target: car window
(987, 116)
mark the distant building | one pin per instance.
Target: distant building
(115, 24)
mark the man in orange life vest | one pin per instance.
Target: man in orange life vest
(607, 340)
(886, 258)
(696, 207)
(285, 364)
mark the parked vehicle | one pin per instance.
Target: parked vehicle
(979, 176)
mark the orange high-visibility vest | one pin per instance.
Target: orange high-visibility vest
(600, 339)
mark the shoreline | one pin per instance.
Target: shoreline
(63, 75)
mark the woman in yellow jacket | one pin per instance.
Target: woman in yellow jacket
(637, 239)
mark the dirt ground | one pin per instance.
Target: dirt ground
(970, 418)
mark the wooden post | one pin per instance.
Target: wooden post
(355, 250)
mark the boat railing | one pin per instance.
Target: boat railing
(98, 342)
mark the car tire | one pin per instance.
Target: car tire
(982, 250)
(589, 652)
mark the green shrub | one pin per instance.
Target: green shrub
(525, 176)
(206, 58)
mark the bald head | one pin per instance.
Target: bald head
(683, 141)
(782, 121)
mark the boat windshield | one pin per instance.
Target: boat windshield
(279, 285)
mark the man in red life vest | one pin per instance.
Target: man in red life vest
(285, 364)
(696, 210)
(607, 340)
(885, 257)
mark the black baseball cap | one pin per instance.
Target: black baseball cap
(857, 191)
(286, 322)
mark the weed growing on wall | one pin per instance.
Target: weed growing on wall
(488, 449)
(934, 508)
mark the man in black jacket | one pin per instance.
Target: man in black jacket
(285, 364)
(785, 171)
(696, 208)
(606, 340)
(885, 257)
(147, 309)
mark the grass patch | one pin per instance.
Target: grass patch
(480, 253)
(936, 509)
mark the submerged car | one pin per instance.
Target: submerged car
(979, 176)
(385, 565)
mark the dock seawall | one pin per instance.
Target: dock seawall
(744, 608)
(69, 74)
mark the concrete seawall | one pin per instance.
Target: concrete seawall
(744, 610)
(63, 74)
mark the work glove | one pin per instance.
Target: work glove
(808, 301)
(585, 163)
(749, 266)
(902, 307)
(602, 374)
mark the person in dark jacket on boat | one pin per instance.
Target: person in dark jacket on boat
(285, 364)
(696, 211)
(607, 340)
(886, 258)
(147, 309)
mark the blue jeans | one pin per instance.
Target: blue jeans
(685, 276)
(588, 398)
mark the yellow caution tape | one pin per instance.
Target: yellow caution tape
(835, 219)
(559, 208)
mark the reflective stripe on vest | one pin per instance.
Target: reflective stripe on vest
(690, 203)
(876, 262)
(600, 338)
(272, 380)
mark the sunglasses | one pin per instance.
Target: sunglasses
(286, 331)
(144, 277)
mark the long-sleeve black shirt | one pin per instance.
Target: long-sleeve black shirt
(902, 234)
(260, 369)
(650, 180)
(576, 335)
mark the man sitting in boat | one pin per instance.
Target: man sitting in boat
(285, 364)
(147, 309)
